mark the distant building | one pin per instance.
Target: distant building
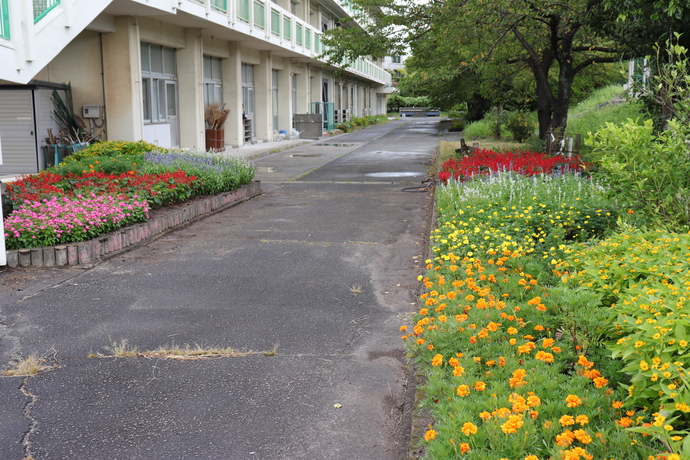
(145, 69)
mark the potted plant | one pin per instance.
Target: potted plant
(215, 116)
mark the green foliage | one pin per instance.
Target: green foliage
(647, 172)
(109, 164)
(520, 125)
(395, 101)
(113, 148)
(639, 281)
(457, 125)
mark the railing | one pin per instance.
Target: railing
(4, 20)
(42, 7)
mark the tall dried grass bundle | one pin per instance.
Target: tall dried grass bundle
(215, 115)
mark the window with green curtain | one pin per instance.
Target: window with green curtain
(221, 5)
(287, 28)
(42, 7)
(243, 9)
(317, 43)
(275, 22)
(4, 20)
(298, 33)
(259, 15)
(307, 38)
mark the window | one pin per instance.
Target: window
(274, 97)
(213, 81)
(158, 66)
(396, 59)
(294, 94)
(248, 90)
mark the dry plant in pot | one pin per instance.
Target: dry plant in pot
(215, 116)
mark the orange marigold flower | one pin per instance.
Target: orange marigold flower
(556, 349)
(485, 415)
(533, 414)
(546, 343)
(625, 422)
(490, 362)
(430, 434)
(458, 371)
(513, 424)
(582, 419)
(453, 362)
(469, 428)
(582, 436)
(539, 327)
(424, 311)
(543, 356)
(617, 404)
(584, 362)
(437, 360)
(420, 341)
(565, 439)
(573, 401)
(501, 361)
(480, 386)
(464, 447)
(512, 331)
(567, 420)
(463, 390)
(534, 301)
(600, 382)
(531, 457)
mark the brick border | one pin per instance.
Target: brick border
(89, 252)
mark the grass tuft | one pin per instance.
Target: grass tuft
(27, 367)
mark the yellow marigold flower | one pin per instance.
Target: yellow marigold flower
(469, 428)
(463, 390)
(458, 371)
(480, 386)
(543, 356)
(533, 401)
(531, 457)
(573, 401)
(512, 331)
(438, 360)
(430, 434)
(484, 415)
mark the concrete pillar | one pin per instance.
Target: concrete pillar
(190, 79)
(263, 112)
(232, 95)
(122, 74)
(303, 90)
(285, 97)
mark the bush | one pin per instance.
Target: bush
(519, 124)
(646, 172)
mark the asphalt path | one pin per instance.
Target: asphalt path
(308, 283)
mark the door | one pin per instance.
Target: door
(17, 133)
(171, 112)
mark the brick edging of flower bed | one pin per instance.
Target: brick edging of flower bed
(88, 252)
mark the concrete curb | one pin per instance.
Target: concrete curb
(89, 252)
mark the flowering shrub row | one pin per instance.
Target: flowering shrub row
(516, 359)
(485, 162)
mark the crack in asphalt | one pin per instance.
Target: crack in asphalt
(33, 423)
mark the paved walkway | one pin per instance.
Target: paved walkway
(308, 283)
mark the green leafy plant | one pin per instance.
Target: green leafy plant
(647, 172)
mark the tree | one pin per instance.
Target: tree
(555, 41)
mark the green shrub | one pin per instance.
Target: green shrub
(519, 124)
(646, 172)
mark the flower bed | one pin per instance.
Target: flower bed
(74, 201)
(538, 344)
(527, 163)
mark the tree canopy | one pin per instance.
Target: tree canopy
(493, 43)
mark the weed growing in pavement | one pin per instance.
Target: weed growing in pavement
(26, 367)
